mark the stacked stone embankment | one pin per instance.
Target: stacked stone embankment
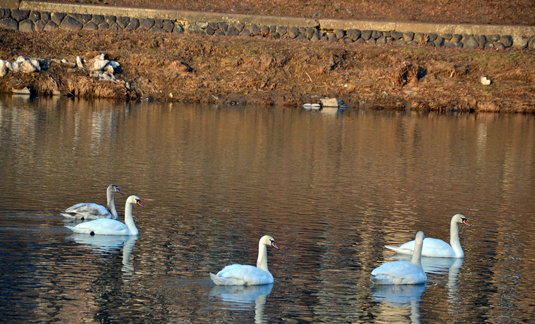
(30, 16)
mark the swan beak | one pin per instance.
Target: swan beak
(274, 245)
(140, 204)
(119, 191)
(465, 222)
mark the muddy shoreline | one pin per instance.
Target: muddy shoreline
(249, 71)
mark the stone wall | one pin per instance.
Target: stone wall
(30, 17)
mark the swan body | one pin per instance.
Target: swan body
(106, 226)
(438, 248)
(86, 211)
(242, 275)
(403, 272)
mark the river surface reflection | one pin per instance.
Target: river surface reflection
(331, 187)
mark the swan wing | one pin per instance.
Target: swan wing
(398, 273)
(103, 226)
(88, 211)
(431, 248)
(238, 274)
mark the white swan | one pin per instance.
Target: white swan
(403, 272)
(106, 226)
(438, 248)
(239, 274)
(86, 211)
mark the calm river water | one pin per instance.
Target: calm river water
(332, 188)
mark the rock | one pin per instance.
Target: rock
(366, 34)
(506, 40)
(110, 20)
(282, 30)
(255, 30)
(432, 37)
(264, 30)
(123, 22)
(179, 29)
(35, 16)
(339, 33)
(240, 27)
(168, 26)
(40, 25)
(245, 33)
(210, 31)
(310, 32)
(447, 36)
(456, 38)
(223, 26)
(4, 13)
(408, 37)
(57, 17)
(275, 35)
(493, 38)
(233, 31)
(293, 32)
(482, 40)
(103, 26)
(45, 16)
(449, 44)
(380, 41)
(134, 24)
(79, 62)
(354, 34)
(90, 26)
(83, 18)
(396, 35)
(348, 40)
(499, 46)
(116, 27)
(470, 43)
(439, 41)
(9, 23)
(376, 34)
(219, 33)
(400, 42)
(301, 37)
(27, 26)
(332, 102)
(98, 19)
(147, 23)
(71, 24)
(50, 26)
(531, 44)
(20, 15)
(331, 37)
(518, 42)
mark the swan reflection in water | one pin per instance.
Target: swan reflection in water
(109, 243)
(243, 298)
(398, 302)
(440, 266)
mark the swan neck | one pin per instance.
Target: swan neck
(261, 263)
(129, 219)
(111, 204)
(454, 239)
(417, 254)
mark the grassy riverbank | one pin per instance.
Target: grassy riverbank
(268, 71)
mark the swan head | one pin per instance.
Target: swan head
(134, 200)
(419, 236)
(458, 218)
(115, 188)
(269, 241)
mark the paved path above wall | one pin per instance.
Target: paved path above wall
(29, 16)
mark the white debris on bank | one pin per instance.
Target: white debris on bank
(99, 66)
(23, 65)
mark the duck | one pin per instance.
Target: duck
(437, 248)
(248, 275)
(106, 226)
(403, 272)
(85, 211)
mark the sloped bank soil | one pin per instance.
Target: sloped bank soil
(266, 71)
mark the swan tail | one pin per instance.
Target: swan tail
(221, 281)
(398, 250)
